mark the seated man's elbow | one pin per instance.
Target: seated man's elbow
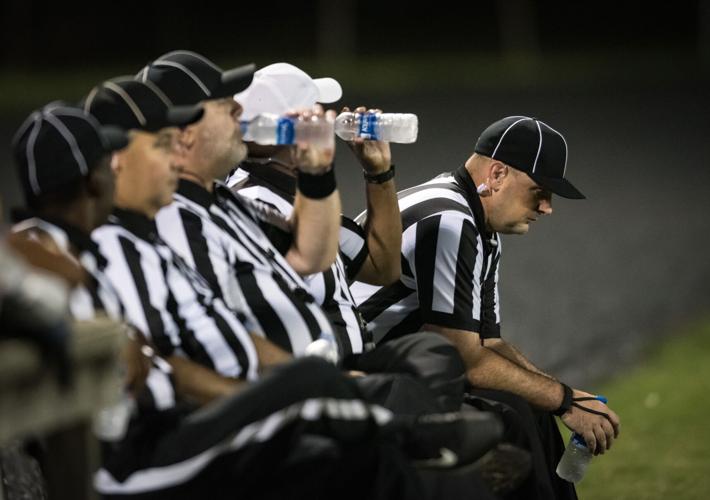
(392, 274)
(305, 266)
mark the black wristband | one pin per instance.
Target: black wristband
(379, 178)
(316, 186)
(566, 401)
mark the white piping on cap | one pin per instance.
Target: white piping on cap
(539, 146)
(36, 125)
(506, 131)
(86, 116)
(193, 54)
(187, 72)
(159, 93)
(143, 74)
(564, 170)
(69, 137)
(128, 100)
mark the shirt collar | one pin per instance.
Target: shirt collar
(136, 222)
(81, 241)
(194, 192)
(463, 179)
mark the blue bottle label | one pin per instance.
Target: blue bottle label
(243, 127)
(579, 440)
(285, 131)
(367, 126)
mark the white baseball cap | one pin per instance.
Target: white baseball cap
(280, 87)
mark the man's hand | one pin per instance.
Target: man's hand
(135, 356)
(310, 158)
(374, 156)
(598, 431)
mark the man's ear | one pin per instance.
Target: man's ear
(497, 174)
(115, 163)
(185, 141)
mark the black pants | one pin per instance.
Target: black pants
(535, 431)
(303, 431)
(417, 373)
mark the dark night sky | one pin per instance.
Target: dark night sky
(60, 33)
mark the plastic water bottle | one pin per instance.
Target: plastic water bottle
(111, 422)
(390, 127)
(324, 347)
(270, 129)
(576, 457)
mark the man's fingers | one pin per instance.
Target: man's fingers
(615, 422)
(599, 433)
(591, 440)
(609, 432)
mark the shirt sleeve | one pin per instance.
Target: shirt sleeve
(274, 223)
(353, 246)
(447, 259)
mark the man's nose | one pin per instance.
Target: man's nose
(545, 206)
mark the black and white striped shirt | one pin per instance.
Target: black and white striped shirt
(449, 265)
(98, 296)
(170, 302)
(224, 237)
(330, 288)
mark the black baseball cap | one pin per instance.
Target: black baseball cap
(59, 144)
(188, 78)
(131, 104)
(531, 146)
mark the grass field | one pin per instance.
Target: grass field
(664, 448)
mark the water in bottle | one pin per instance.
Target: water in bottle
(390, 127)
(271, 129)
(324, 347)
(575, 459)
(111, 422)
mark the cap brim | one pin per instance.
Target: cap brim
(234, 81)
(560, 187)
(114, 138)
(182, 116)
(329, 89)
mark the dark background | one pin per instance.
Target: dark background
(590, 288)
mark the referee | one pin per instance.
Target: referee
(451, 252)
(415, 373)
(225, 236)
(163, 297)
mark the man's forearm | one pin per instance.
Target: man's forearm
(486, 369)
(509, 351)
(384, 235)
(490, 370)
(316, 228)
(269, 354)
(199, 382)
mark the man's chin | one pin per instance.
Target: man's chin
(521, 228)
